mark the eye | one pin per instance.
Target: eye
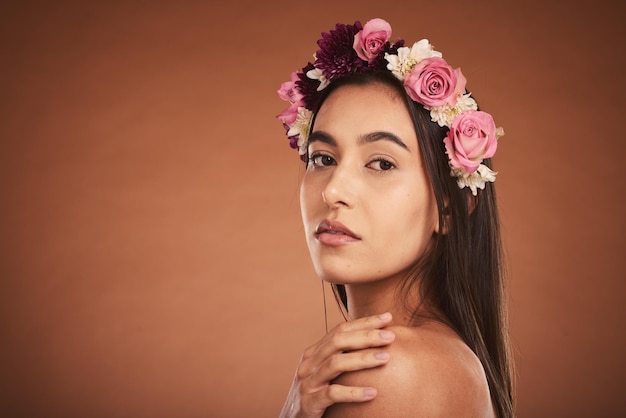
(380, 164)
(321, 160)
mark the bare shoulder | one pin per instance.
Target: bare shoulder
(432, 373)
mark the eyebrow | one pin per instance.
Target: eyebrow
(363, 139)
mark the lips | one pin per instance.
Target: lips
(334, 233)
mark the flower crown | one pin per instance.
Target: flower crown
(472, 135)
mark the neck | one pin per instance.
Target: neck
(365, 299)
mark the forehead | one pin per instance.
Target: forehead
(353, 110)
(374, 92)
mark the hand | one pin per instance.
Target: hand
(350, 346)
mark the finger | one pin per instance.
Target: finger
(367, 322)
(339, 342)
(352, 335)
(348, 362)
(332, 394)
(346, 336)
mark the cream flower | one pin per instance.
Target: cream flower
(301, 127)
(475, 180)
(317, 74)
(444, 115)
(402, 64)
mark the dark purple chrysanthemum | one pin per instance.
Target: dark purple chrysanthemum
(293, 140)
(293, 143)
(308, 87)
(336, 56)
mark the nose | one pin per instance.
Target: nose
(340, 191)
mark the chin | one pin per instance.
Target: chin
(345, 275)
(335, 276)
(330, 276)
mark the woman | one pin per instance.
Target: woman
(399, 212)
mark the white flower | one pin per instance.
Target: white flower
(423, 49)
(444, 115)
(317, 74)
(301, 127)
(402, 64)
(475, 180)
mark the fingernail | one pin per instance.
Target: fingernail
(382, 355)
(387, 335)
(385, 317)
(369, 392)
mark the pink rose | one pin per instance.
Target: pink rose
(289, 115)
(471, 139)
(432, 82)
(372, 39)
(289, 91)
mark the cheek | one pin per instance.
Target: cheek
(411, 220)
(305, 197)
(402, 239)
(310, 197)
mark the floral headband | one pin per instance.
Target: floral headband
(428, 79)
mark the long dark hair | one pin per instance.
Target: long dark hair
(460, 279)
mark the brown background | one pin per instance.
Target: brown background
(152, 260)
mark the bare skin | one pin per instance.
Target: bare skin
(432, 373)
(369, 215)
(354, 345)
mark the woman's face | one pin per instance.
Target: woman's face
(368, 209)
